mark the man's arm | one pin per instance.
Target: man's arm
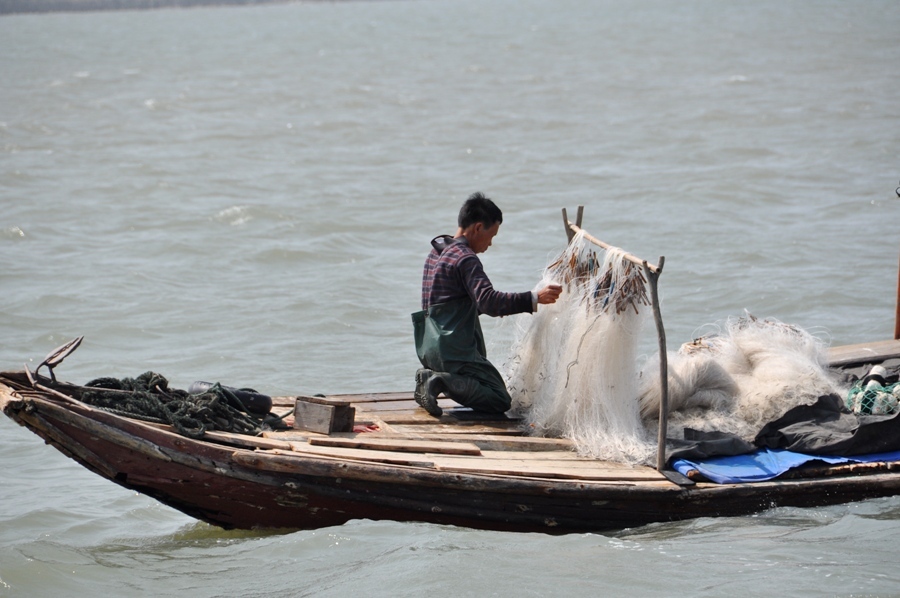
(488, 300)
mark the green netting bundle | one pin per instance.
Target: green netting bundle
(149, 398)
(873, 398)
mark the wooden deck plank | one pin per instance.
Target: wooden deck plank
(539, 468)
(245, 440)
(864, 353)
(422, 417)
(449, 418)
(230, 438)
(484, 441)
(566, 466)
(567, 456)
(489, 441)
(455, 428)
(408, 404)
(393, 458)
(403, 445)
(291, 435)
(452, 411)
(372, 397)
(596, 470)
(447, 446)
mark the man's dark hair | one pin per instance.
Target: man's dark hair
(479, 208)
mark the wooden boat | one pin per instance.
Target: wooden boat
(380, 456)
(401, 464)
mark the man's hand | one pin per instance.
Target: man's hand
(549, 294)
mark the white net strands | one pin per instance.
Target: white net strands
(572, 371)
(736, 380)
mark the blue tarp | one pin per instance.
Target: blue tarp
(765, 464)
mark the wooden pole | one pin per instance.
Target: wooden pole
(568, 226)
(570, 233)
(652, 278)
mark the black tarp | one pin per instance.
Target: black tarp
(827, 428)
(824, 428)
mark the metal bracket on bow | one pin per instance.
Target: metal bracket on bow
(55, 358)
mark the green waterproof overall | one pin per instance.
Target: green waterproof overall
(449, 341)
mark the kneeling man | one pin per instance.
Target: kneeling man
(455, 291)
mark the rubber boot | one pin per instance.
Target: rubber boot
(427, 400)
(422, 376)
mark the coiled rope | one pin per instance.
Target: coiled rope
(149, 398)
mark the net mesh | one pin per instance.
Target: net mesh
(572, 370)
(872, 398)
(737, 379)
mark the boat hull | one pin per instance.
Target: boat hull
(235, 487)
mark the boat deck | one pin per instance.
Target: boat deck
(391, 428)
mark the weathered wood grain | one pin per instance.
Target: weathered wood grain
(403, 445)
(874, 352)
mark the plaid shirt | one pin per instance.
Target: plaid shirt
(453, 271)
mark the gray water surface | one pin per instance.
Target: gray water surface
(247, 194)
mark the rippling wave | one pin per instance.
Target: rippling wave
(247, 195)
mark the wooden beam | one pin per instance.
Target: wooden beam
(244, 440)
(402, 445)
(387, 457)
(559, 469)
(631, 258)
(863, 353)
(489, 441)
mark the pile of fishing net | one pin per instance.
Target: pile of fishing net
(149, 398)
(748, 373)
(573, 369)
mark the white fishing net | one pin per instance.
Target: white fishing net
(572, 371)
(736, 380)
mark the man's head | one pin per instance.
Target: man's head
(479, 220)
(479, 208)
